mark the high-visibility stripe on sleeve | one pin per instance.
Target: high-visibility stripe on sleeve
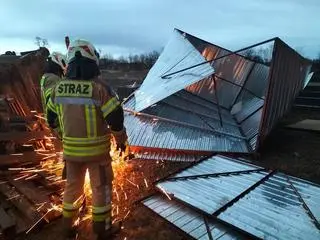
(59, 110)
(109, 106)
(42, 80)
(51, 106)
(48, 92)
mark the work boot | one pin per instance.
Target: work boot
(69, 231)
(102, 233)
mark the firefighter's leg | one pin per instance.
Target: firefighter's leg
(101, 177)
(73, 194)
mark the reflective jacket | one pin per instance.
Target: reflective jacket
(82, 107)
(47, 82)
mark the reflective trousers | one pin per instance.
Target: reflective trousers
(101, 177)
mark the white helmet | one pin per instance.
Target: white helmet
(59, 59)
(86, 49)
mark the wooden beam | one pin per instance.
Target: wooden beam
(22, 137)
(7, 223)
(21, 158)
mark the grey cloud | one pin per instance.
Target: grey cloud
(145, 25)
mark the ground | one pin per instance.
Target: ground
(290, 151)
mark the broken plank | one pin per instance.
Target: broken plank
(7, 223)
(39, 196)
(20, 202)
(22, 137)
(20, 158)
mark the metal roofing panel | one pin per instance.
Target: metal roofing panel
(167, 156)
(272, 211)
(188, 220)
(248, 107)
(179, 53)
(183, 111)
(157, 133)
(216, 191)
(288, 71)
(257, 81)
(250, 126)
(310, 193)
(216, 164)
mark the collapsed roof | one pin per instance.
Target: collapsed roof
(225, 198)
(200, 98)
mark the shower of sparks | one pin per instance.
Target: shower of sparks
(146, 183)
(164, 191)
(128, 184)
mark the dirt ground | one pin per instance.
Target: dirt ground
(295, 152)
(290, 151)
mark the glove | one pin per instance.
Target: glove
(57, 132)
(121, 139)
(64, 170)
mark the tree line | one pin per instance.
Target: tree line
(132, 62)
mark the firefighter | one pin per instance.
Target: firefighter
(89, 114)
(55, 68)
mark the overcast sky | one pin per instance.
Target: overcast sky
(135, 26)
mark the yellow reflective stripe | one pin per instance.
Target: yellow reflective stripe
(47, 92)
(68, 214)
(85, 139)
(84, 151)
(91, 120)
(85, 142)
(70, 206)
(98, 210)
(94, 120)
(51, 106)
(88, 123)
(60, 117)
(101, 218)
(109, 106)
(42, 81)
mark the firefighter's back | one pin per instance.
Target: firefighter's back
(78, 106)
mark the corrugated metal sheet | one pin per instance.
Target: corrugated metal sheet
(234, 68)
(250, 127)
(287, 73)
(191, 111)
(178, 54)
(272, 211)
(188, 220)
(167, 156)
(157, 133)
(310, 193)
(264, 204)
(217, 164)
(244, 98)
(249, 107)
(215, 191)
